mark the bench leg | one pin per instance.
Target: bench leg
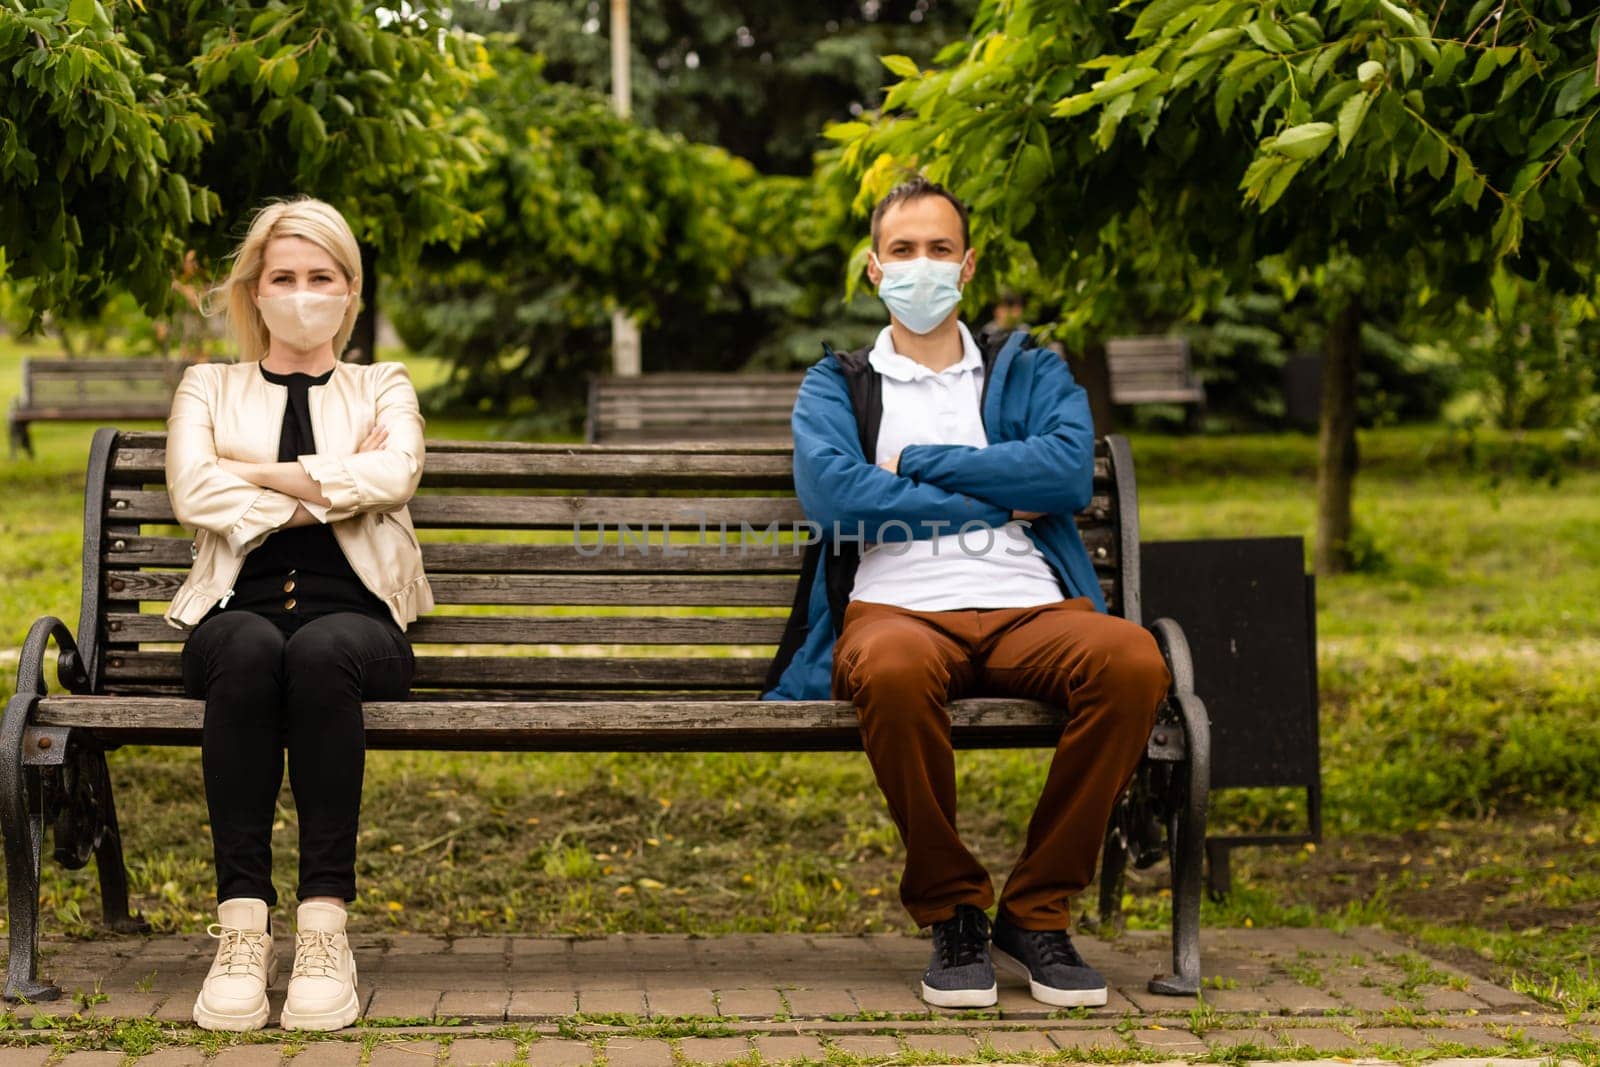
(22, 823)
(1187, 837)
(108, 861)
(19, 438)
(1113, 867)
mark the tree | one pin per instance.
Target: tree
(96, 155)
(1374, 147)
(758, 79)
(210, 107)
(584, 213)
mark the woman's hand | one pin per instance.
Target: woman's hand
(375, 440)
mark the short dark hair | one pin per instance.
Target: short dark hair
(915, 189)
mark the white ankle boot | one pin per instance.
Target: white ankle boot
(234, 996)
(322, 989)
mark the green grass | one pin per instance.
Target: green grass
(1460, 744)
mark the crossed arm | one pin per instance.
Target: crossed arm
(292, 480)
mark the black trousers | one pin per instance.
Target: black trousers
(271, 683)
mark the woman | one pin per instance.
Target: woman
(294, 470)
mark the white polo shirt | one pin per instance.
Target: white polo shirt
(998, 568)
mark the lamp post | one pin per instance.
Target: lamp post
(625, 353)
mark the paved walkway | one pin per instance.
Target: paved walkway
(658, 1000)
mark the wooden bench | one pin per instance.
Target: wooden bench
(91, 390)
(553, 682)
(726, 408)
(1154, 370)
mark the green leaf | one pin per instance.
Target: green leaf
(1269, 35)
(1306, 141)
(178, 189)
(81, 11)
(1370, 73)
(1215, 41)
(1547, 135)
(1576, 90)
(1489, 61)
(1102, 91)
(1278, 184)
(904, 66)
(1156, 17)
(846, 131)
(1351, 115)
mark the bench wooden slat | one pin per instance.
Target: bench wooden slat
(634, 590)
(126, 627)
(575, 725)
(517, 672)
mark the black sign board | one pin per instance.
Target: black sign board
(1248, 609)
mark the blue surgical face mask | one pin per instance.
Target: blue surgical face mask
(920, 293)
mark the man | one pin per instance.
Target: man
(945, 480)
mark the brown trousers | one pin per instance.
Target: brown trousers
(900, 668)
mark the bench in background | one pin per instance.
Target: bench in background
(655, 408)
(539, 681)
(91, 390)
(1154, 370)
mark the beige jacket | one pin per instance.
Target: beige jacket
(230, 410)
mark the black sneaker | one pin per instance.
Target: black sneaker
(1055, 972)
(960, 974)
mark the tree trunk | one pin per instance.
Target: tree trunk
(363, 347)
(1089, 367)
(1337, 457)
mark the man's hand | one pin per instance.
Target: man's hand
(892, 464)
(1027, 516)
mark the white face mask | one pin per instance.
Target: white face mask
(920, 292)
(303, 320)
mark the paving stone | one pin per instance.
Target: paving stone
(1223, 1039)
(713, 1049)
(749, 1003)
(1543, 1035)
(819, 1003)
(399, 1002)
(611, 1002)
(1470, 1037)
(1500, 999)
(634, 1052)
(249, 1056)
(669, 1003)
(866, 1045)
(1236, 1000)
(540, 1004)
(25, 1057)
(128, 1005)
(180, 1056)
(778, 1048)
(401, 1054)
(551, 1052)
(1365, 998)
(942, 1044)
(1006, 1042)
(417, 945)
(93, 1059)
(479, 946)
(480, 1051)
(1295, 999)
(1018, 1004)
(473, 1005)
(1395, 1036)
(896, 999)
(1088, 1040)
(1320, 1038)
(337, 1053)
(1176, 1042)
(1451, 1000)
(177, 1008)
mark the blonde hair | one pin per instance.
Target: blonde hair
(309, 219)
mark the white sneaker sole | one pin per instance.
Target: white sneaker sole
(207, 1019)
(961, 998)
(1044, 994)
(336, 1019)
(255, 1019)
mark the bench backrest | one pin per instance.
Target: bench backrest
(131, 385)
(1151, 370)
(533, 602)
(695, 408)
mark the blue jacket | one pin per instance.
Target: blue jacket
(1040, 457)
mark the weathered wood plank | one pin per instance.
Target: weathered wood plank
(577, 725)
(515, 672)
(625, 590)
(128, 628)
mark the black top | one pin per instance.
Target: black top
(301, 571)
